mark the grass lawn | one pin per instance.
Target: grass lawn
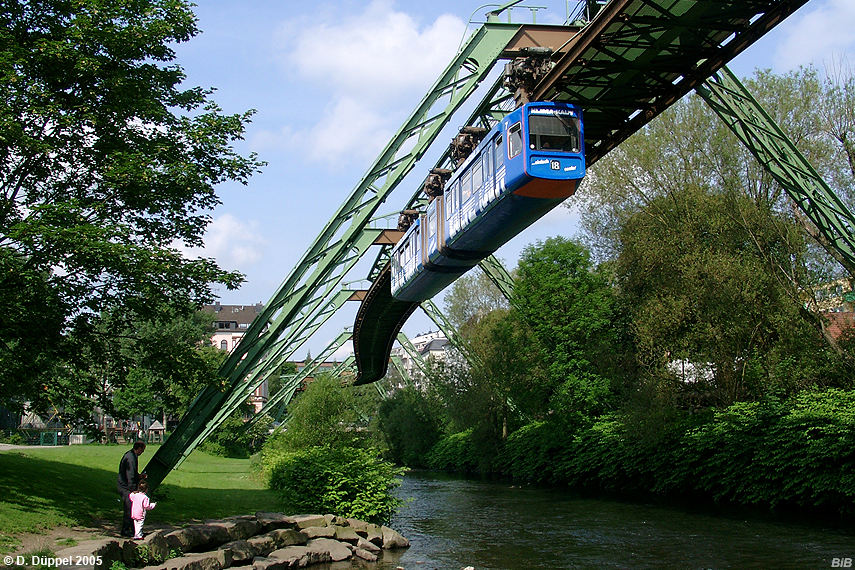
(76, 486)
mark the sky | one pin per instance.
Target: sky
(331, 81)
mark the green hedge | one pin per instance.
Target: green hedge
(454, 453)
(347, 481)
(799, 453)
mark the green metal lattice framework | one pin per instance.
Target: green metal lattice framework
(635, 59)
(343, 240)
(779, 156)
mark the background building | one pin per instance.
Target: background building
(230, 324)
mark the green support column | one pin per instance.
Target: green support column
(457, 341)
(500, 276)
(399, 366)
(310, 368)
(777, 153)
(411, 351)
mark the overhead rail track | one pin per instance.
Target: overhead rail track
(638, 57)
(634, 60)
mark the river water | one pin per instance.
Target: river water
(453, 523)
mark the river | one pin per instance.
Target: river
(453, 523)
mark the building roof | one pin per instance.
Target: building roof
(240, 314)
(434, 345)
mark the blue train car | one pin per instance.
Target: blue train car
(525, 166)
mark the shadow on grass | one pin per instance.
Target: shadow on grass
(39, 493)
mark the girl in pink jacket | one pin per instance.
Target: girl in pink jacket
(139, 505)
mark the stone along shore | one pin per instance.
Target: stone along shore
(264, 541)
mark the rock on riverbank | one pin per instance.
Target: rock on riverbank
(266, 541)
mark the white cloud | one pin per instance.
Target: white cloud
(343, 351)
(233, 243)
(372, 68)
(820, 33)
(380, 52)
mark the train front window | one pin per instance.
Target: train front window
(554, 133)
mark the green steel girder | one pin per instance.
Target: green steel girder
(280, 352)
(499, 275)
(402, 370)
(330, 250)
(343, 365)
(638, 57)
(457, 341)
(411, 351)
(310, 368)
(759, 132)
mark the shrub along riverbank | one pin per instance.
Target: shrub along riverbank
(773, 454)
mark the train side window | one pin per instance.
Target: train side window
(514, 140)
(467, 187)
(497, 153)
(487, 157)
(477, 176)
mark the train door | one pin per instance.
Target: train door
(430, 239)
(498, 167)
(452, 209)
(487, 187)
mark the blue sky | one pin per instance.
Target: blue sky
(331, 83)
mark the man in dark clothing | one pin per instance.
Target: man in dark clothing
(129, 478)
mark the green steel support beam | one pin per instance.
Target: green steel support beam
(281, 351)
(411, 351)
(499, 275)
(333, 252)
(759, 132)
(310, 368)
(457, 341)
(402, 370)
(344, 365)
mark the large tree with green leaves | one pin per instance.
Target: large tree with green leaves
(713, 258)
(578, 325)
(107, 163)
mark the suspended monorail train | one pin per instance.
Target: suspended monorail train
(525, 166)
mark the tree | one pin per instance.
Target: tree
(324, 414)
(702, 293)
(156, 363)
(106, 163)
(472, 297)
(410, 424)
(578, 324)
(711, 256)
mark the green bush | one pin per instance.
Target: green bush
(529, 453)
(13, 439)
(795, 453)
(347, 481)
(454, 453)
(409, 425)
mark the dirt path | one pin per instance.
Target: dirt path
(9, 446)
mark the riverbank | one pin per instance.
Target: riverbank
(795, 455)
(66, 493)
